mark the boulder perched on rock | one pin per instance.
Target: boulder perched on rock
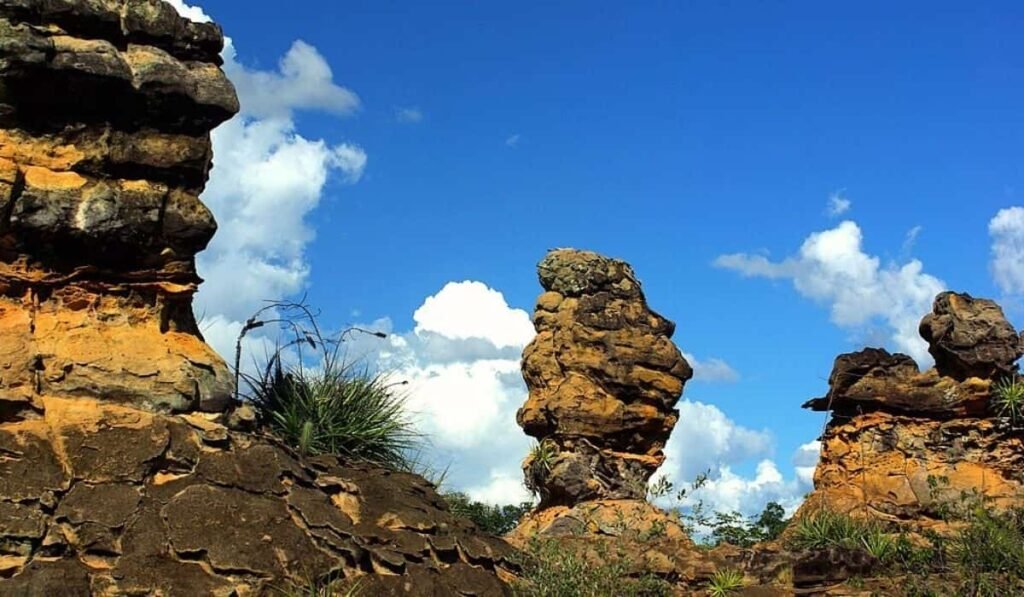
(604, 378)
(105, 113)
(970, 337)
(903, 445)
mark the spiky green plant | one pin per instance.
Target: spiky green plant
(880, 546)
(334, 408)
(725, 582)
(1008, 398)
(542, 455)
(825, 528)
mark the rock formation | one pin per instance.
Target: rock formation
(105, 113)
(117, 475)
(604, 378)
(902, 444)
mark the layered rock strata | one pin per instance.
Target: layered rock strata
(604, 378)
(902, 444)
(117, 476)
(105, 113)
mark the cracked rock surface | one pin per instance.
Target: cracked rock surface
(104, 499)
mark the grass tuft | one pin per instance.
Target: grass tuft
(336, 408)
(725, 582)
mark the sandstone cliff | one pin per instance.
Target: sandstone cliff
(117, 475)
(901, 444)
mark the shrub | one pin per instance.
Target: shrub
(495, 520)
(725, 582)
(824, 528)
(336, 408)
(1008, 398)
(550, 569)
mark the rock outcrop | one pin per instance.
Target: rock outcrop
(105, 113)
(98, 498)
(118, 475)
(901, 444)
(604, 378)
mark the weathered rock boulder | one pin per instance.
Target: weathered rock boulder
(970, 337)
(903, 445)
(604, 378)
(98, 498)
(105, 113)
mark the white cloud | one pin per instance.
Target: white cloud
(711, 370)
(302, 81)
(513, 140)
(464, 310)
(193, 13)
(1007, 232)
(806, 461)
(832, 268)
(502, 488)
(461, 362)
(410, 115)
(838, 204)
(707, 441)
(910, 240)
(266, 181)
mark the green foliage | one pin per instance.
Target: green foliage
(549, 569)
(325, 587)
(990, 543)
(541, 458)
(1008, 398)
(725, 582)
(719, 527)
(495, 520)
(824, 528)
(735, 529)
(335, 408)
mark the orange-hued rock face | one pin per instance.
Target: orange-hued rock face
(105, 114)
(604, 378)
(904, 445)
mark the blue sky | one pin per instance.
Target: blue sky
(410, 145)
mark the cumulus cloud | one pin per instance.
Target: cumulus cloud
(711, 370)
(410, 115)
(266, 181)
(837, 204)
(832, 268)
(461, 365)
(464, 310)
(513, 140)
(706, 441)
(302, 81)
(1006, 229)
